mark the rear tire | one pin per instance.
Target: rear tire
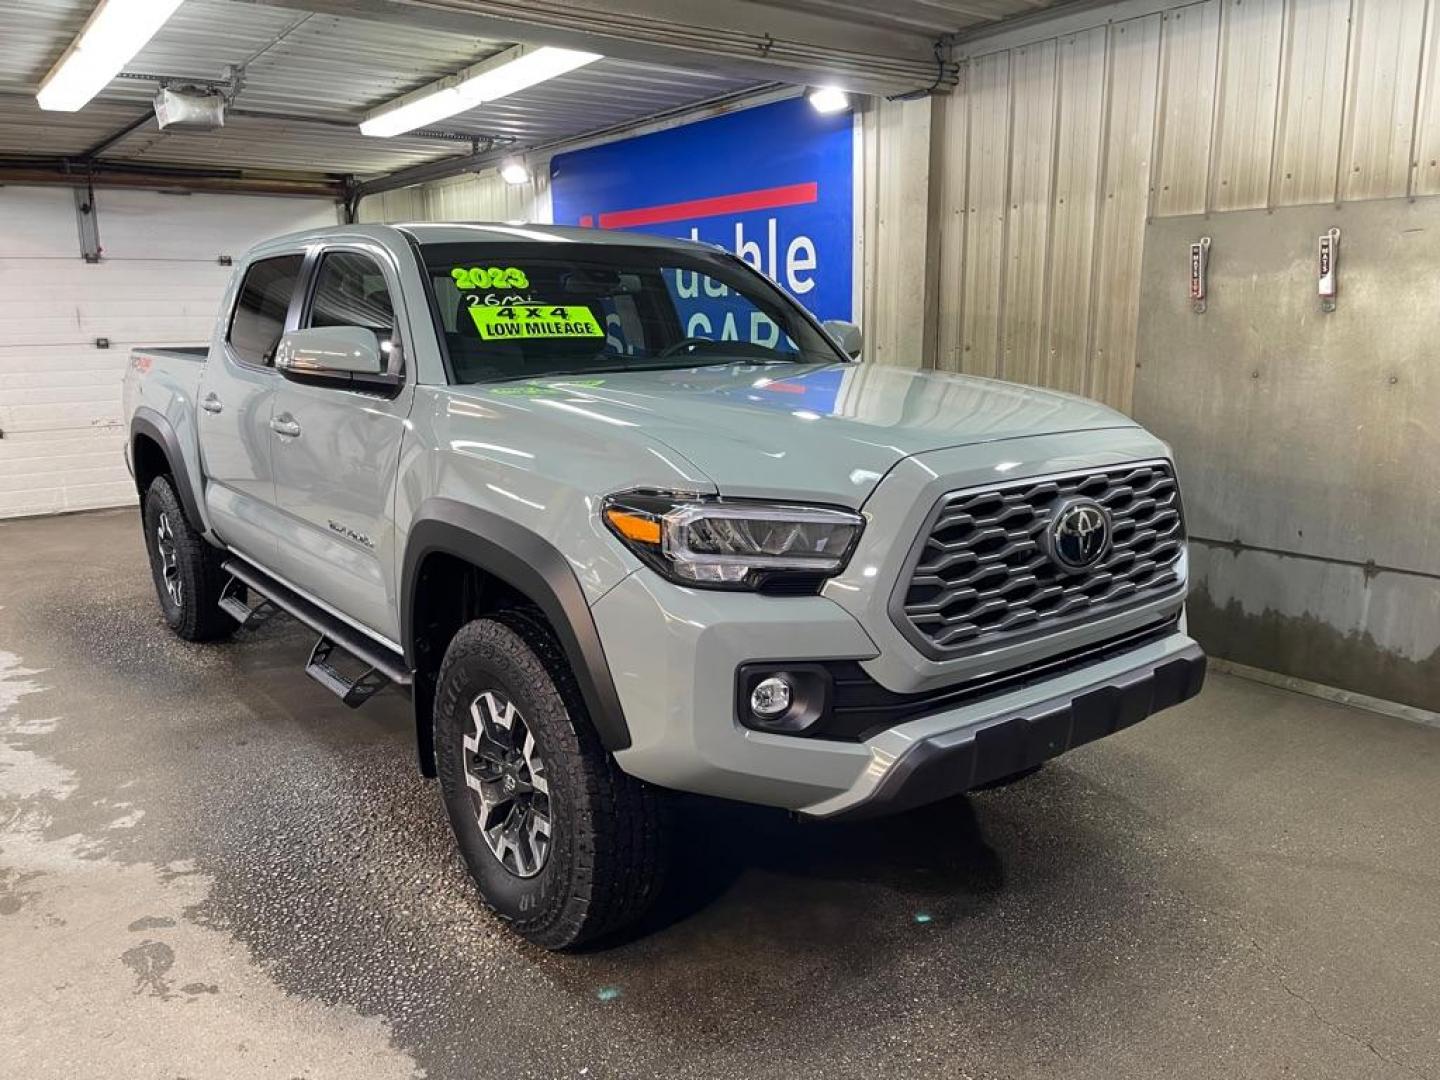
(186, 569)
(562, 843)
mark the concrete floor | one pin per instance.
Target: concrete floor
(209, 868)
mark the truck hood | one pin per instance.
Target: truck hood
(818, 432)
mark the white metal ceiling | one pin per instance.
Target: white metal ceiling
(927, 16)
(314, 76)
(310, 76)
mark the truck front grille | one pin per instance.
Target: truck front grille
(982, 575)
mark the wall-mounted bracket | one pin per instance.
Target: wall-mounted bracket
(1328, 265)
(1199, 274)
(87, 223)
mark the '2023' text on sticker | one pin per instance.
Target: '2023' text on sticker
(490, 277)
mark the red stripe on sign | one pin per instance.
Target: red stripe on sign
(586, 220)
(764, 199)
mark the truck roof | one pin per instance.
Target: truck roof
(495, 232)
(503, 233)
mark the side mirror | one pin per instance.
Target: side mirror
(330, 352)
(847, 335)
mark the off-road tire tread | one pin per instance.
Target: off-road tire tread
(200, 566)
(618, 863)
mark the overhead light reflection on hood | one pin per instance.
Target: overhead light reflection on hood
(591, 414)
(469, 445)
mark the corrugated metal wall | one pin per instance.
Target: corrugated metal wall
(892, 226)
(1051, 155)
(472, 197)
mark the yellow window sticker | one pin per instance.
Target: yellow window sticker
(512, 321)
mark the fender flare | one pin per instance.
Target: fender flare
(152, 424)
(532, 565)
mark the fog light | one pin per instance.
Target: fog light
(782, 697)
(770, 698)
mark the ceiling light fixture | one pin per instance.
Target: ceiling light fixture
(114, 33)
(829, 99)
(513, 171)
(506, 73)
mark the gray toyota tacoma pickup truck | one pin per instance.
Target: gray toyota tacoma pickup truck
(622, 518)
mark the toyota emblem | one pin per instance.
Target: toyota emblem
(1079, 535)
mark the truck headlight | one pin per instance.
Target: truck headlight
(734, 544)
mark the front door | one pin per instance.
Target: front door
(236, 395)
(337, 450)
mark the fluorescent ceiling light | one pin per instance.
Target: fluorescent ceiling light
(114, 33)
(508, 73)
(513, 171)
(829, 99)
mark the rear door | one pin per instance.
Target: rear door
(237, 392)
(337, 448)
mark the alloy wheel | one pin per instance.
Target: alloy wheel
(508, 784)
(169, 560)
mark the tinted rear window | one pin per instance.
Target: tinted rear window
(260, 310)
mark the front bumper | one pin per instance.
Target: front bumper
(674, 653)
(966, 756)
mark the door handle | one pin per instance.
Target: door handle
(211, 404)
(285, 425)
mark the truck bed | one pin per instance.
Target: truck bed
(165, 384)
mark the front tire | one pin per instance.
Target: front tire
(561, 843)
(186, 569)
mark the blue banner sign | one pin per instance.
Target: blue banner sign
(773, 184)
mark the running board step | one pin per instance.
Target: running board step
(249, 618)
(382, 664)
(353, 692)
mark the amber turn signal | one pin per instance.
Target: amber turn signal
(643, 530)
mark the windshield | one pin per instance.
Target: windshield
(518, 311)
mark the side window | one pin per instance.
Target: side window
(260, 309)
(350, 290)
